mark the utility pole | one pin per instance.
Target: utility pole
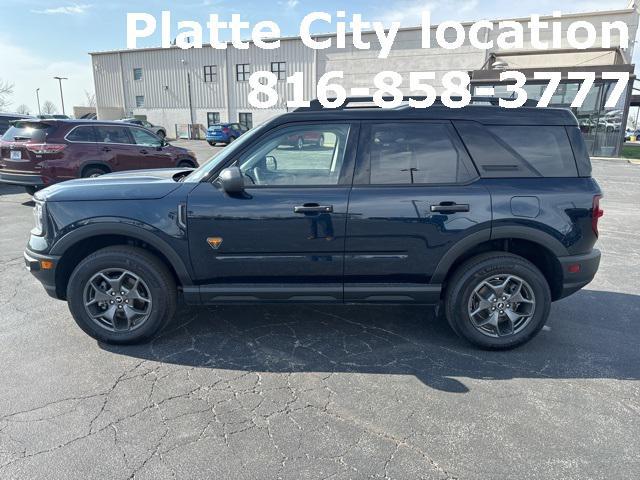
(38, 98)
(61, 96)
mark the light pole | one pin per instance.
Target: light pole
(38, 98)
(61, 96)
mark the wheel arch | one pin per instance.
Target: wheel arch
(94, 163)
(538, 247)
(76, 245)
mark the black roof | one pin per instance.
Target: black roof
(482, 110)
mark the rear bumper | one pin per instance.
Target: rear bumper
(27, 179)
(578, 271)
(33, 263)
(217, 138)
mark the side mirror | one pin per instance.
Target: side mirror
(232, 180)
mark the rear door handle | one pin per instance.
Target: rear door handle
(450, 207)
(144, 151)
(106, 149)
(310, 208)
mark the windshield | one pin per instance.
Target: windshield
(203, 170)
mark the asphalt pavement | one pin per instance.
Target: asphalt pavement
(300, 392)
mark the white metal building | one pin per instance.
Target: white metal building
(174, 87)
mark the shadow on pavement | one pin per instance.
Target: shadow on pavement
(593, 334)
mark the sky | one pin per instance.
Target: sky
(40, 39)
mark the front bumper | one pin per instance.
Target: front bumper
(26, 179)
(578, 271)
(36, 264)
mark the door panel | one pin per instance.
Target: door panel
(284, 237)
(399, 226)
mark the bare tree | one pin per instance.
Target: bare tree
(91, 98)
(22, 110)
(48, 108)
(6, 90)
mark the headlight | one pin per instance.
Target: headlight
(38, 216)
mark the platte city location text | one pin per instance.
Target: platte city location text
(544, 33)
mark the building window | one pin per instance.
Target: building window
(137, 74)
(246, 119)
(139, 101)
(213, 118)
(279, 69)
(243, 71)
(210, 73)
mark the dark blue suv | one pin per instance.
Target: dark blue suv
(224, 133)
(490, 213)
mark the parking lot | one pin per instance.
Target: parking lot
(325, 392)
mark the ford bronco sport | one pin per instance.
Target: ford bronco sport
(490, 213)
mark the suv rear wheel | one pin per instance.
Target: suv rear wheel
(121, 295)
(92, 172)
(497, 300)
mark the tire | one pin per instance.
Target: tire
(162, 134)
(231, 139)
(92, 172)
(462, 296)
(153, 276)
(186, 164)
(31, 190)
(213, 144)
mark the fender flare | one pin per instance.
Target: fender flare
(495, 233)
(144, 233)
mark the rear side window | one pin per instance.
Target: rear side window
(546, 149)
(415, 153)
(28, 132)
(82, 134)
(113, 134)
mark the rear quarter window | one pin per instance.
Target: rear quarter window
(501, 151)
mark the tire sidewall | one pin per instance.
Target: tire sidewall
(457, 308)
(161, 309)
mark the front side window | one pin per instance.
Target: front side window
(144, 138)
(279, 69)
(297, 155)
(113, 134)
(415, 153)
(210, 73)
(243, 72)
(137, 74)
(140, 101)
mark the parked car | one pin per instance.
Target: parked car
(224, 133)
(56, 116)
(37, 153)
(299, 141)
(629, 133)
(157, 129)
(490, 213)
(7, 118)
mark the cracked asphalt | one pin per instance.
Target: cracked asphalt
(300, 392)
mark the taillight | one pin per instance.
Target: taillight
(226, 130)
(44, 148)
(596, 213)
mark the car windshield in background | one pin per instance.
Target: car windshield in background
(28, 131)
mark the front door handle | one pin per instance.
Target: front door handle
(144, 151)
(311, 208)
(450, 207)
(106, 149)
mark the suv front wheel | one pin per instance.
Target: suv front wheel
(121, 295)
(497, 300)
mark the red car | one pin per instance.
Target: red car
(38, 153)
(306, 138)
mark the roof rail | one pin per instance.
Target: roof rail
(355, 102)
